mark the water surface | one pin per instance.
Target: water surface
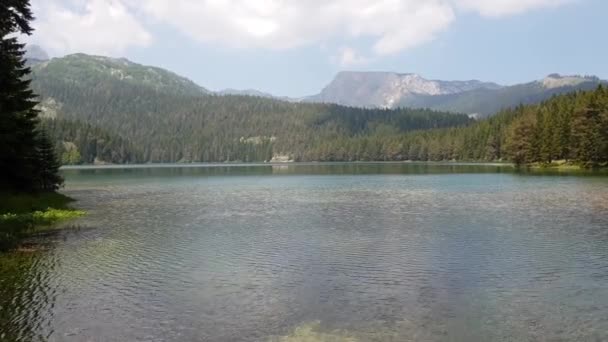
(363, 252)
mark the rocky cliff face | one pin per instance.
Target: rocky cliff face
(387, 89)
(391, 90)
(558, 81)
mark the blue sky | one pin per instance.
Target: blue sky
(295, 47)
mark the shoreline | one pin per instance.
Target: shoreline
(24, 215)
(554, 166)
(307, 163)
(562, 165)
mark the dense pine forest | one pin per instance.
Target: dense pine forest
(132, 124)
(220, 129)
(572, 127)
(97, 116)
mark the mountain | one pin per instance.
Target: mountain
(86, 72)
(391, 90)
(387, 89)
(102, 109)
(570, 128)
(34, 54)
(486, 102)
(244, 92)
(253, 93)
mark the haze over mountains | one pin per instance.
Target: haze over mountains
(392, 90)
(111, 110)
(358, 89)
(389, 89)
(35, 54)
(102, 109)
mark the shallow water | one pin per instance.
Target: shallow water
(342, 252)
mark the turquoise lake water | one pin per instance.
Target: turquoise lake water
(328, 252)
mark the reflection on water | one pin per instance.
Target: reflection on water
(26, 297)
(344, 252)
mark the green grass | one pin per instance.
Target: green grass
(22, 215)
(26, 202)
(563, 165)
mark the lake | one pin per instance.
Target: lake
(318, 252)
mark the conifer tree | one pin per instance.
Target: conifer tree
(47, 164)
(18, 118)
(26, 159)
(520, 141)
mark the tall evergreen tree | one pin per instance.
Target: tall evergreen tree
(18, 118)
(520, 141)
(47, 165)
(20, 163)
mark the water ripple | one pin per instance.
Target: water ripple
(456, 257)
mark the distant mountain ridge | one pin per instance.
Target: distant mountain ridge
(388, 89)
(34, 54)
(392, 90)
(102, 109)
(487, 102)
(348, 88)
(78, 68)
(244, 92)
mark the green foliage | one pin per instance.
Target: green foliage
(486, 102)
(17, 114)
(86, 71)
(14, 227)
(15, 16)
(47, 166)
(25, 156)
(24, 214)
(97, 114)
(70, 154)
(113, 119)
(19, 203)
(520, 141)
(570, 127)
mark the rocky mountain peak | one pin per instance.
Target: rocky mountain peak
(558, 81)
(35, 54)
(387, 89)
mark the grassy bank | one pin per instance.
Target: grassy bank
(563, 165)
(22, 215)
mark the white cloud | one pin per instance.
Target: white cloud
(391, 26)
(96, 26)
(348, 57)
(394, 25)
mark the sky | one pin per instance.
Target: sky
(295, 47)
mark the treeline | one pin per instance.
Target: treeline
(487, 102)
(124, 122)
(81, 143)
(572, 127)
(219, 129)
(96, 116)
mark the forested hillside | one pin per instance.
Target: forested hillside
(84, 71)
(487, 102)
(81, 143)
(571, 127)
(483, 99)
(99, 114)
